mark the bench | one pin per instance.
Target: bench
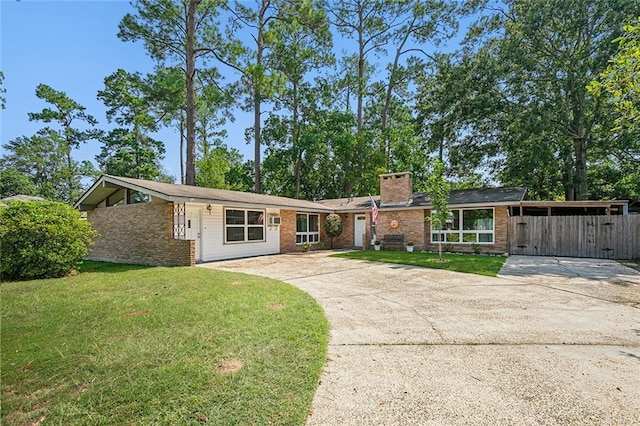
(393, 242)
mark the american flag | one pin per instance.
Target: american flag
(374, 211)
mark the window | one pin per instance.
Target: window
(243, 225)
(307, 228)
(116, 198)
(136, 197)
(469, 226)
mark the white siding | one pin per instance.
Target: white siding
(214, 247)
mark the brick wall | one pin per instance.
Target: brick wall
(500, 241)
(410, 223)
(396, 188)
(140, 234)
(345, 239)
(288, 232)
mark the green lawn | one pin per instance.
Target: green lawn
(469, 263)
(121, 344)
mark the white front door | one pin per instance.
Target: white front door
(359, 230)
(192, 231)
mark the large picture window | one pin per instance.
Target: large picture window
(307, 228)
(470, 226)
(243, 225)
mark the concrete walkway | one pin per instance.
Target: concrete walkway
(550, 341)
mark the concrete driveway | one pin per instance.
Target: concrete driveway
(550, 341)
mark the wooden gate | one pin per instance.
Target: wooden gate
(605, 237)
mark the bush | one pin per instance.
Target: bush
(332, 227)
(42, 239)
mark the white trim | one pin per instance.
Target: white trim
(461, 232)
(244, 226)
(307, 234)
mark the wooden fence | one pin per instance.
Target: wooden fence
(605, 237)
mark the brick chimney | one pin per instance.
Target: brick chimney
(396, 189)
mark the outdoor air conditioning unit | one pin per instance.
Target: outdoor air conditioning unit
(275, 220)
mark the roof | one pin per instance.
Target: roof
(488, 196)
(459, 197)
(349, 204)
(107, 184)
(21, 197)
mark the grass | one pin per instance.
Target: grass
(122, 344)
(468, 263)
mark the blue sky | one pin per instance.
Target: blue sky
(72, 46)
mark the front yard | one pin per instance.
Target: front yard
(121, 344)
(469, 263)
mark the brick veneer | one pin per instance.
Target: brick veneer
(345, 239)
(410, 223)
(499, 245)
(396, 188)
(288, 231)
(139, 233)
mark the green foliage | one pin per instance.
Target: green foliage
(220, 167)
(181, 35)
(438, 189)
(620, 82)
(179, 327)
(42, 158)
(41, 239)
(129, 151)
(332, 227)
(47, 156)
(530, 64)
(12, 182)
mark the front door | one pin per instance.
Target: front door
(359, 230)
(192, 231)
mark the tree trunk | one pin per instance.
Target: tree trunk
(388, 97)
(295, 132)
(182, 149)
(190, 176)
(360, 94)
(580, 181)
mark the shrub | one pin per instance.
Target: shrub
(332, 227)
(42, 239)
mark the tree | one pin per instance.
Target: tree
(128, 150)
(616, 174)
(181, 34)
(369, 23)
(438, 189)
(42, 239)
(3, 101)
(218, 167)
(620, 82)
(12, 182)
(300, 46)
(332, 227)
(41, 159)
(57, 144)
(259, 80)
(418, 24)
(542, 56)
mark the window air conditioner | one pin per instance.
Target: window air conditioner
(275, 220)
